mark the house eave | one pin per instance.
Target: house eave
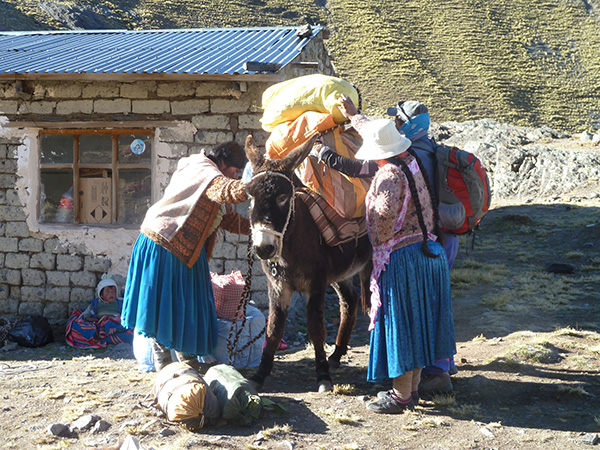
(132, 77)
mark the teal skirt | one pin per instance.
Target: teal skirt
(414, 325)
(166, 300)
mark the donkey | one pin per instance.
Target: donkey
(294, 259)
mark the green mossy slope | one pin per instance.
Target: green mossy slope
(525, 62)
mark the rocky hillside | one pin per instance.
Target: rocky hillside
(530, 164)
(523, 62)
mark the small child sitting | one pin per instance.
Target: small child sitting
(100, 323)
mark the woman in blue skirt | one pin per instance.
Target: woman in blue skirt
(411, 311)
(168, 296)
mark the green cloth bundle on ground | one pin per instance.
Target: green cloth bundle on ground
(238, 399)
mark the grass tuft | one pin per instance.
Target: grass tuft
(467, 410)
(574, 391)
(277, 431)
(443, 401)
(535, 353)
(343, 389)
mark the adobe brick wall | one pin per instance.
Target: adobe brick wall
(51, 270)
(51, 273)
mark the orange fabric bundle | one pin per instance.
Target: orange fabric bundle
(344, 194)
(291, 134)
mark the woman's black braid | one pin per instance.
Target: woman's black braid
(432, 195)
(413, 191)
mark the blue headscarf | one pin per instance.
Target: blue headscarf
(415, 116)
(416, 127)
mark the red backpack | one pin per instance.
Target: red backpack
(463, 189)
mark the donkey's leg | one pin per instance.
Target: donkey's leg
(315, 324)
(279, 302)
(348, 299)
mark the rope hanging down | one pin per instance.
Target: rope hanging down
(231, 345)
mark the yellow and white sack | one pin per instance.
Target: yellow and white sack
(184, 397)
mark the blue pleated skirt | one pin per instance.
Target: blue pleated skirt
(414, 325)
(166, 300)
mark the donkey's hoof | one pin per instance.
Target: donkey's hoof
(334, 364)
(256, 384)
(325, 386)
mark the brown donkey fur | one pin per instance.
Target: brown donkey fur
(296, 260)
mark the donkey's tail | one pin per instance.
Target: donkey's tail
(365, 292)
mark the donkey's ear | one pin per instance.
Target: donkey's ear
(299, 154)
(253, 152)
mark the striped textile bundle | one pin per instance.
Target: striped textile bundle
(83, 334)
(334, 228)
(346, 195)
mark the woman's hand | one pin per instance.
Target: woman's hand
(347, 107)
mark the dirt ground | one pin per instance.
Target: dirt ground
(528, 364)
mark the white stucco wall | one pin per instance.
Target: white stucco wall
(114, 243)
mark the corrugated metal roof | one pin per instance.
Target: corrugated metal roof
(215, 51)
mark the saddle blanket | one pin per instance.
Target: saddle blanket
(334, 229)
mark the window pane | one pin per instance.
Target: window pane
(56, 196)
(57, 149)
(135, 187)
(135, 149)
(95, 149)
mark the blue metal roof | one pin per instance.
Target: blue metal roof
(214, 51)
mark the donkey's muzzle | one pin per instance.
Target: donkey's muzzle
(265, 251)
(266, 242)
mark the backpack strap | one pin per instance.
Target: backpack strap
(420, 145)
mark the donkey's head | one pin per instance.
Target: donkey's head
(271, 194)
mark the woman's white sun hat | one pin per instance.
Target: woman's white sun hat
(381, 140)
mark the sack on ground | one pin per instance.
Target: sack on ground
(287, 100)
(238, 400)
(184, 397)
(33, 331)
(249, 357)
(463, 189)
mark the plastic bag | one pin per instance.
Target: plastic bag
(250, 357)
(33, 331)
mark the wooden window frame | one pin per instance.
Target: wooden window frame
(113, 166)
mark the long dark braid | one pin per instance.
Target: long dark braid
(413, 190)
(432, 195)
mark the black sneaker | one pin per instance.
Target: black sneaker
(385, 394)
(435, 385)
(389, 405)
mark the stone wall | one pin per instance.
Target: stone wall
(52, 269)
(49, 269)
